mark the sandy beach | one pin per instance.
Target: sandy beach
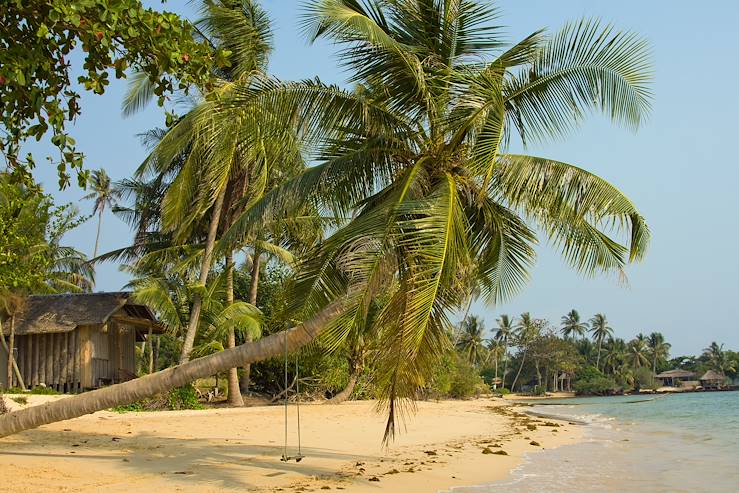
(444, 444)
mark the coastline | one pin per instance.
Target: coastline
(439, 447)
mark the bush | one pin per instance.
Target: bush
(33, 391)
(185, 397)
(502, 391)
(21, 399)
(590, 381)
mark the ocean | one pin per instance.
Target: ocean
(656, 444)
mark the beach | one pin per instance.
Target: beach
(441, 446)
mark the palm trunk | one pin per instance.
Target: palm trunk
(150, 340)
(495, 385)
(156, 383)
(197, 302)
(11, 361)
(597, 358)
(253, 287)
(356, 370)
(234, 392)
(505, 362)
(97, 236)
(523, 360)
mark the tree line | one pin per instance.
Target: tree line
(585, 356)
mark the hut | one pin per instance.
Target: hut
(76, 342)
(712, 380)
(675, 378)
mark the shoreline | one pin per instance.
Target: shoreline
(441, 446)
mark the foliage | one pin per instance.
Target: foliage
(590, 381)
(21, 399)
(42, 42)
(454, 377)
(32, 258)
(184, 398)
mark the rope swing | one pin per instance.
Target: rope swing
(285, 456)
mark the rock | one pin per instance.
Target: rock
(374, 479)
(429, 452)
(500, 452)
(531, 427)
(487, 450)
(393, 471)
(534, 443)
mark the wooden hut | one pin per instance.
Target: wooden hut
(675, 378)
(713, 380)
(74, 342)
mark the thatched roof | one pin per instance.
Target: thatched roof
(43, 314)
(676, 374)
(713, 375)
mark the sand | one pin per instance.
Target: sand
(239, 449)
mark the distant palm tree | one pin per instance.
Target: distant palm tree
(503, 335)
(104, 194)
(638, 350)
(601, 330)
(659, 349)
(495, 351)
(571, 324)
(717, 358)
(471, 339)
(526, 330)
(615, 353)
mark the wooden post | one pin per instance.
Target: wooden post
(41, 344)
(36, 355)
(77, 376)
(65, 361)
(58, 340)
(49, 360)
(156, 354)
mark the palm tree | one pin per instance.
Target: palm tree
(717, 358)
(659, 348)
(527, 330)
(638, 351)
(503, 334)
(104, 194)
(471, 339)
(615, 353)
(496, 349)
(571, 324)
(601, 330)
(415, 163)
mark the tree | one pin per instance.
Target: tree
(718, 359)
(471, 339)
(527, 330)
(659, 348)
(104, 194)
(601, 330)
(414, 164)
(615, 353)
(638, 351)
(503, 334)
(37, 91)
(571, 325)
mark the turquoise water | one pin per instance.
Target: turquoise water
(668, 443)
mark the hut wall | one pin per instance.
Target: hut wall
(101, 367)
(3, 367)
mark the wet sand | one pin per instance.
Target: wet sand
(443, 445)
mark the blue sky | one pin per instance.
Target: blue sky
(679, 169)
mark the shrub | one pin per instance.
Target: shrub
(502, 391)
(185, 397)
(21, 399)
(43, 391)
(590, 381)
(134, 407)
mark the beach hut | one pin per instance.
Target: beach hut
(74, 342)
(712, 380)
(675, 378)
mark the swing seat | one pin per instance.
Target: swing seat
(288, 458)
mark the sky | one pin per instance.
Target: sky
(680, 168)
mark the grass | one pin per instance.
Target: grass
(33, 391)
(21, 399)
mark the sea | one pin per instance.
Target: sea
(653, 444)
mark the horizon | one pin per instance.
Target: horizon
(666, 291)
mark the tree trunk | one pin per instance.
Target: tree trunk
(355, 369)
(156, 383)
(505, 362)
(234, 392)
(97, 237)
(156, 354)
(597, 359)
(253, 287)
(197, 302)
(14, 363)
(495, 385)
(150, 340)
(523, 360)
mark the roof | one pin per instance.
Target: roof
(676, 374)
(713, 375)
(44, 314)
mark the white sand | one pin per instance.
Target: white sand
(240, 449)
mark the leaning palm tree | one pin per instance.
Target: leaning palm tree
(104, 195)
(571, 325)
(471, 339)
(503, 334)
(417, 163)
(659, 349)
(601, 330)
(615, 353)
